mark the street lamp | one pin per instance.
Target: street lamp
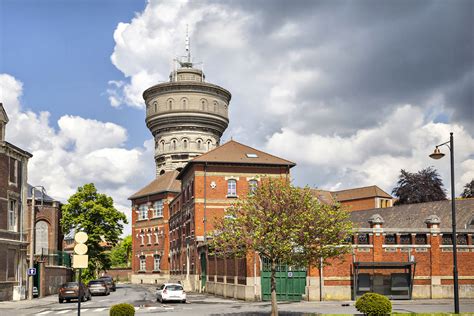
(437, 154)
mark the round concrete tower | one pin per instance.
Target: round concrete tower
(187, 116)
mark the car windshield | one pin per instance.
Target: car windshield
(174, 287)
(70, 284)
(96, 282)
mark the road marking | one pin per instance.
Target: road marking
(152, 308)
(137, 308)
(63, 312)
(100, 309)
(169, 308)
(105, 300)
(44, 313)
(84, 309)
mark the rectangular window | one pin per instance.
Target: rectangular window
(12, 264)
(158, 209)
(142, 263)
(156, 263)
(143, 212)
(253, 184)
(12, 211)
(231, 187)
(13, 176)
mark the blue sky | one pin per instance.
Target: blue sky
(351, 91)
(61, 52)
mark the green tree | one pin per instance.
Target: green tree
(93, 213)
(284, 224)
(468, 190)
(120, 255)
(423, 186)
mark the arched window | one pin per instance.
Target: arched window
(215, 106)
(203, 105)
(185, 143)
(199, 144)
(174, 144)
(170, 104)
(155, 104)
(231, 187)
(42, 241)
(184, 104)
(209, 144)
(162, 145)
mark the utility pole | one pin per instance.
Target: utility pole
(32, 244)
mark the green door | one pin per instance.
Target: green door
(290, 282)
(36, 278)
(203, 270)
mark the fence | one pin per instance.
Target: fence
(53, 257)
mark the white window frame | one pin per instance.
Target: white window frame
(232, 188)
(156, 262)
(253, 185)
(142, 263)
(158, 209)
(15, 171)
(12, 215)
(142, 212)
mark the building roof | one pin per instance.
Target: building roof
(163, 183)
(234, 152)
(360, 193)
(414, 215)
(3, 114)
(323, 196)
(39, 195)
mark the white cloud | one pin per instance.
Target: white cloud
(81, 151)
(375, 155)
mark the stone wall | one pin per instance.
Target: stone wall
(120, 274)
(52, 278)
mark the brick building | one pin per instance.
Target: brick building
(13, 195)
(209, 184)
(150, 229)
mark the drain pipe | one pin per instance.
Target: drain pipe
(321, 279)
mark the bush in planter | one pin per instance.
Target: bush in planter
(373, 304)
(122, 310)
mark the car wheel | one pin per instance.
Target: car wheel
(83, 298)
(184, 301)
(68, 300)
(61, 301)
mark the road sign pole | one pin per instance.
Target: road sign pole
(80, 298)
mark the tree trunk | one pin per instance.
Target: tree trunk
(273, 289)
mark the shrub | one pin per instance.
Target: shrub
(373, 304)
(122, 310)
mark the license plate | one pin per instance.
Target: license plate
(69, 292)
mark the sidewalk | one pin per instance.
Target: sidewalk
(24, 304)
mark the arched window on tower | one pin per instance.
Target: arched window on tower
(170, 104)
(162, 145)
(215, 106)
(203, 104)
(41, 231)
(209, 145)
(199, 144)
(184, 104)
(185, 143)
(155, 104)
(174, 144)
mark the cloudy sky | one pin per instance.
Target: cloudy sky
(352, 91)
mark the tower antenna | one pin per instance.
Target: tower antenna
(188, 49)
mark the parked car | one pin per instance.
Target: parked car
(171, 292)
(110, 282)
(97, 287)
(72, 290)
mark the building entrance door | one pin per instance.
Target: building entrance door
(203, 270)
(290, 282)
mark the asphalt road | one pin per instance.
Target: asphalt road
(144, 300)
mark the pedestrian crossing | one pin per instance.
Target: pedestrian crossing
(96, 310)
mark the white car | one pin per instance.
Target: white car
(171, 292)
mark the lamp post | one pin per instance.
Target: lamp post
(32, 237)
(437, 154)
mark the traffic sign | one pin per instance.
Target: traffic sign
(32, 271)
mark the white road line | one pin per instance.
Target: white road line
(105, 300)
(44, 313)
(84, 309)
(152, 308)
(168, 308)
(100, 309)
(64, 311)
(137, 308)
